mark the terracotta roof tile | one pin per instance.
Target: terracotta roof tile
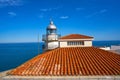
(76, 36)
(71, 61)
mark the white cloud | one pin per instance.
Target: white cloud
(44, 10)
(64, 17)
(5, 3)
(56, 8)
(103, 11)
(40, 16)
(12, 14)
(97, 13)
(78, 9)
(91, 15)
(50, 9)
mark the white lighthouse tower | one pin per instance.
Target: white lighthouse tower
(51, 37)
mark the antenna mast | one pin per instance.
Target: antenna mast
(38, 45)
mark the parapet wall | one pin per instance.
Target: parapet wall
(61, 78)
(114, 47)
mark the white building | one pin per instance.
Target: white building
(75, 40)
(51, 37)
(115, 47)
(53, 40)
(105, 48)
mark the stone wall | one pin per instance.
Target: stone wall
(61, 78)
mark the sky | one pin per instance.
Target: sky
(23, 20)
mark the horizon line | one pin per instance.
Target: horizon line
(43, 41)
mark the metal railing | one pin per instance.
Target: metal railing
(50, 37)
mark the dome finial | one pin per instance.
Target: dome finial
(51, 21)
(51, 25)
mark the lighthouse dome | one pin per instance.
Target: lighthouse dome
(51, 25)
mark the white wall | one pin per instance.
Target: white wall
(63, 44)
(52, 37)
(86, 44)
(105, 48)
(114, 47)
(112, 77)
(52, 45)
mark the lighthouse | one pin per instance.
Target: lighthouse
(51, 37)
(69, 57)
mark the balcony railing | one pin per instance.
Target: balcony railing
(50, 37)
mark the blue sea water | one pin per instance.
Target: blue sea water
(14, 54)
(105, 43)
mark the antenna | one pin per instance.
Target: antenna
(38, 45)
(50, 19)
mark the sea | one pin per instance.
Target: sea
(15, 54)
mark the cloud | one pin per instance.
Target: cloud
(78, 9)
(50, 9)
(5, 3)
(91, 15)
(64, 17)
(44, 10)
(40, 16)
(103, 11)
(12, 14)
(97, 13)
(56, 8)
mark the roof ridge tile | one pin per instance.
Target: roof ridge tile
(71, 61)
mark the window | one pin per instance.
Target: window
(75, 43)
(51, 31)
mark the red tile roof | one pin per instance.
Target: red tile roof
(71, 61)
(76, 36)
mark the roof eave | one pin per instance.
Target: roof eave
(90, 39)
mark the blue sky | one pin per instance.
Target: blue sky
(22, 20)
